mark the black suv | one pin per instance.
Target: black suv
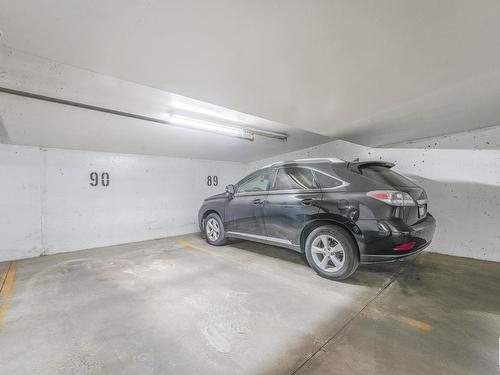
(338, 213)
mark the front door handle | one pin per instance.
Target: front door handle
(307, 201)
(257, 202)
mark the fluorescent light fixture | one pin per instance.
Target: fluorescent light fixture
(205, 125)
(202, 110)
(200, 116)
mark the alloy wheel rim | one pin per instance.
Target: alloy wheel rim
(213, 229)
(328, 253)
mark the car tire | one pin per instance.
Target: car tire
(214, 230)
(338, 259)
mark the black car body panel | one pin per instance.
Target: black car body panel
(282, 203)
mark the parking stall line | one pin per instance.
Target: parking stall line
(413, 322)
(191, 246)
(6, 290)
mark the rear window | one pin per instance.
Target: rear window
(386, 176)
(294, 179)
(326, 181)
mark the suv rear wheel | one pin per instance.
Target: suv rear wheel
(331, 252)
(214, 230)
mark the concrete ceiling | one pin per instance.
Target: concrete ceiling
(38, 123)
(374, 72)
(34, 122)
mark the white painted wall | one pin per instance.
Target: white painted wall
(463, 188)
(48, 205)
(20, 204)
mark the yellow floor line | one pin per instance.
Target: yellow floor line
(3, 273)
(413, 322)
(191, 246)
(6, 291)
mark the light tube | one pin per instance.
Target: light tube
(189, 122)
(190, 108)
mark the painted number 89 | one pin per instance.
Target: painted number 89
(212, 181)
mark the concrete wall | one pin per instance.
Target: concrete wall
(49, 206)
(480, 139)
(20, 203)
(463, 188)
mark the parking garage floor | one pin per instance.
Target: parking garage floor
(178, 305)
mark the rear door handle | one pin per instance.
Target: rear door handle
(257, 202)
(307, 201)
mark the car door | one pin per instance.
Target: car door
(245, 210)
(292, 201)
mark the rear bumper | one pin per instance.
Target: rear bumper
(380, 237)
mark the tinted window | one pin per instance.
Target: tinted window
(386, 176)
(326, 181)
(258, 182)
(294, 178)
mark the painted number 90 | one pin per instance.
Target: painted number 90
(94, 179)
(212, 181)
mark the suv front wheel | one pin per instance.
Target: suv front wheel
(331, 252)
(214, 230)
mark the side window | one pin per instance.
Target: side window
(326, 181)
(256, 183)
(294, 179)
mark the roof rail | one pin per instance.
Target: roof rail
(310, 160)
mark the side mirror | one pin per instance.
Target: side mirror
(230, 190)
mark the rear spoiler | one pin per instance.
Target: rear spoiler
(357, 166)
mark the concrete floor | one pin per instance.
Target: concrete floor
(179, 306)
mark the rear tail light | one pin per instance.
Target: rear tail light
(392, 197)
(404, 246)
